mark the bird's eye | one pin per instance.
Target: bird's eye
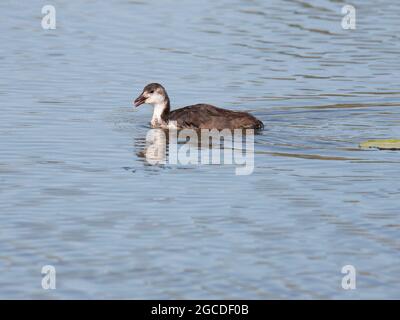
(152, 91)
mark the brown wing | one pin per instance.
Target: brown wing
(205, 116)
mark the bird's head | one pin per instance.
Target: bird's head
(154, 94)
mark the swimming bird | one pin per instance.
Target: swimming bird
(198, 116)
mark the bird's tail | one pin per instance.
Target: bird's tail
(259, 125)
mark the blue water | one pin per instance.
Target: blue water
(76, 194)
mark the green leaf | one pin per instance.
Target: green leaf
(390, 144)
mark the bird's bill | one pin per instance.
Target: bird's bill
(139, 100)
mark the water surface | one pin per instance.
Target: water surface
(76, 194)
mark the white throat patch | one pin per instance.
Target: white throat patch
(156, 120)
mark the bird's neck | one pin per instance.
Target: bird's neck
(160, 113)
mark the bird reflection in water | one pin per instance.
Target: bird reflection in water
(193, 147)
